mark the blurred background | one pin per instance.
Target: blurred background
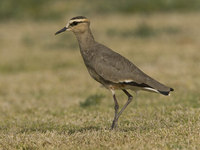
(44, 10)
(44, 84)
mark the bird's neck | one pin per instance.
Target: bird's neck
(85, 39)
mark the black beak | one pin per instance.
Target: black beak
(61, 30)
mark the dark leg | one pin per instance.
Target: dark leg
(114, 124)
(130, 97)
(117, 115)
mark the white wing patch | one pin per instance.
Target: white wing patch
(151, 89)
(128, 81)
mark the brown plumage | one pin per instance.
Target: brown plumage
(110, 68)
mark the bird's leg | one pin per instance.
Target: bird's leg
(116, 107)
(130, 97)
(136, 95)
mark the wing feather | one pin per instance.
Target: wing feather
(115, 68)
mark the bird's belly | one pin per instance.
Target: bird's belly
(133, 88)
(117, 86)
(94, 75)
(109, 84)
(98, 78)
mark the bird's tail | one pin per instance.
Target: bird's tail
(166, 93)
(160, 88)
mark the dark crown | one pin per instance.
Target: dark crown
(78, 17)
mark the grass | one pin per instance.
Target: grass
(54, 10)
(92, 101)
(48, 100)
(142, 31)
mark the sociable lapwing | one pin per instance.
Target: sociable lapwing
(109, 68)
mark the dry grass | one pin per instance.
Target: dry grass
(43, 82)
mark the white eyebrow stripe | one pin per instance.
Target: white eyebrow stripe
(79, 20)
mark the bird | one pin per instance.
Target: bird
(109, 68)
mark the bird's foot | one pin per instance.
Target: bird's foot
(114, 124)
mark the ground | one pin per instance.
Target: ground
(48, 100)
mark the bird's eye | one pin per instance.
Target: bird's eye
(74, 23)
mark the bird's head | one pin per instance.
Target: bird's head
(77, 24)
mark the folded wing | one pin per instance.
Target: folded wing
(117, 69)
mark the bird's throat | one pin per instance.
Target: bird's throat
(85, 39)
